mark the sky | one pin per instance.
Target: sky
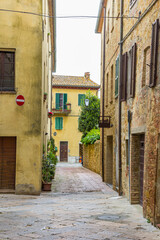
(78, 47)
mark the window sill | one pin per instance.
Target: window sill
(8, 92)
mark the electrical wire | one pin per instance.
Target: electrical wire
(61, 17)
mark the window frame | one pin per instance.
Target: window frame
(59, 125)
(4, 88)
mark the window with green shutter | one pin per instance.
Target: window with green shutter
(61, 100)
(116, 76)
(58, 123)
(80, 99)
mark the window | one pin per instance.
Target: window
(58, 123)
(7, 71)
(111, 86)
(132, 2)
(81, 97)
(107, 89)
(116, 76)
(128, 74)
(61, 100)
(123, 77)
(146, 67)
(154, 54)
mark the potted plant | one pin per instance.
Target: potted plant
(45, 96)
(50, 114)
(47, 174)
(49, 162)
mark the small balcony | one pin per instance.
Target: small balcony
(105, 122)
(62, 110)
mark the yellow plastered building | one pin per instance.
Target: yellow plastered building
(67, 92)
(27, 47)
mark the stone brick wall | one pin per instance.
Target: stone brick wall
(91, 157)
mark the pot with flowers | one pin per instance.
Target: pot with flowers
(50, 114)
(46, 174)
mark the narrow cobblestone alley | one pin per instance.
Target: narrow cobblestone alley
(80, 206)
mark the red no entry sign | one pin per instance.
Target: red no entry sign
(20, 100)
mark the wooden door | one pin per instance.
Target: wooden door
(141, 167)
(7, 162)
(63, 151)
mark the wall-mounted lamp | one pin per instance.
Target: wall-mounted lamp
(87, 102)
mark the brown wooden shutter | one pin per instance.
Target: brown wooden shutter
(133, 71)
(154, 53)
(123, 77)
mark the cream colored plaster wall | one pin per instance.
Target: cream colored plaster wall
(46, 75)
(23, 34)
(70, 132)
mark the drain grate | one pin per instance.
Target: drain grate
(111, 218)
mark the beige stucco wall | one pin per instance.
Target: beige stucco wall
(70, 132)
(46, 75)
(23, 34)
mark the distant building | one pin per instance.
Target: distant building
(27, 59)
(68, 91)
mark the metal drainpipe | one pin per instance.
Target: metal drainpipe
(51, 95)
(103, 88)
(119, 103)
(129, 141)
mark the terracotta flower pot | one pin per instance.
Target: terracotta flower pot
(46, 186)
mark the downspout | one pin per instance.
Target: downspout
(129, 143)
(119, 102)
(103, 88)
(51, 95)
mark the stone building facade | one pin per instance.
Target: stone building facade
(138, 101)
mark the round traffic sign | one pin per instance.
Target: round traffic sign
(20, 100)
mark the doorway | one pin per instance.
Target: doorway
(137, 168)
(7, 162)
(63, 151)
(109, 165)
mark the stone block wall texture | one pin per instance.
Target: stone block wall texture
(91, 157)
(145, 105)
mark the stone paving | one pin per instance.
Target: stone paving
(80, 207)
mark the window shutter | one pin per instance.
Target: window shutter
(64, 100)
(116, 76)
(123, 76)
(57, 100)
(133, 71)
(61, 123)
(80, 98)
(154, 53)
(56, 123)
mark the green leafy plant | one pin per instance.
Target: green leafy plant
(89, 116)
(91, 137)
(49, 162)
